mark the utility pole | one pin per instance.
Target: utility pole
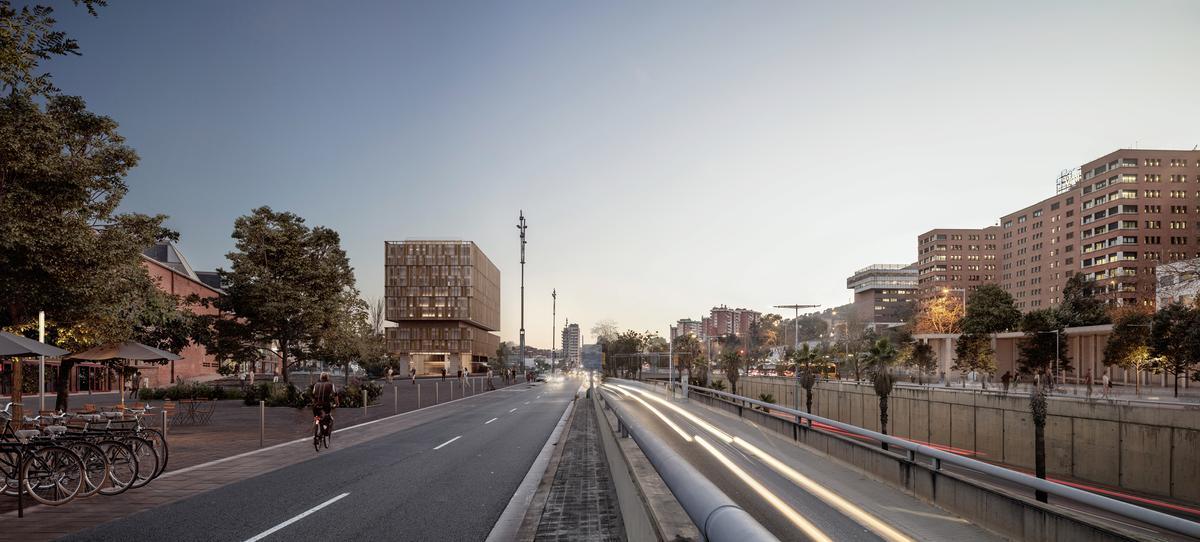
(553, 326)
(521, 226)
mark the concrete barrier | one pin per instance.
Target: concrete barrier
(1013, 516)
(1149, 449)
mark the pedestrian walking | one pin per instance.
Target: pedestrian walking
(389, 376)
(1006, 379)
(1107, 382)
(1088, 376)
(412, 373)
(443, 374)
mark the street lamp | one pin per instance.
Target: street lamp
(963, 291)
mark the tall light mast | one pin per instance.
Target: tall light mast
(521, 226)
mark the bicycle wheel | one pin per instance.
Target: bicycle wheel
(147, 459)
(95, 467)
(122, 467)
(10, 464)
(53, 475)
(159, 441)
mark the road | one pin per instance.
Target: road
(447, 479)
(796, 494)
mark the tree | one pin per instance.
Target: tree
(939, 314)
(811, 327)
(883, 382)
(1128, 346)
(621, 350)
(344, 339)
(990, 309)
(923, 359)
(655, 343)
(1043, 332)
(63, 247)
(1175, 340)
(605, 331)
(974, 353)
(287, 283)
(500, 361)
(1037, 407)
(687, 350)
(1079, 305)
(881, 355)
(732, 362)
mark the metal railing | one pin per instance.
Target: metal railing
(714, 513)
(1123, 509)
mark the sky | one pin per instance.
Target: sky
(669, 156)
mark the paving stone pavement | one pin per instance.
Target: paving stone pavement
(582, 503)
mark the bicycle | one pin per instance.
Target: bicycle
(120, 461)
(322, 428)
(50, 474)
(156, 437)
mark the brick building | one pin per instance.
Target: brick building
(1126, 213)
(174, 275)
(724, 320)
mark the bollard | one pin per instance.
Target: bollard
(436, 387)
(395, 399)
(164, 413)
(262, 421)
(418, 396)
(363, 391)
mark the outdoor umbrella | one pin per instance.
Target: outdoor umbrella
(16, 345)
(125, 351)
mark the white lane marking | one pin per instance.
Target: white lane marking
(439, 446)
(268, 532)
(511, 411)
(527, 402)
(490, 421)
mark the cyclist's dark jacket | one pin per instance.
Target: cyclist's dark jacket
(323, 393)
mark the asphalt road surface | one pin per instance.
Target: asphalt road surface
(447, 479)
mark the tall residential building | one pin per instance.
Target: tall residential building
(685, 326)
(956, 260)
(571, 344)
(724, 320)
(884, 294)
(1124, 214)
(444, 297)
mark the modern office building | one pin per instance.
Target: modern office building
(571, 344)
(884, 294)
(1118, 218)
(444, 297)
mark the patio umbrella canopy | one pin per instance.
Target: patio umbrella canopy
(124, 350)
(16, 345)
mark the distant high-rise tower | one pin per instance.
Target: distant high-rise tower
(571, 344)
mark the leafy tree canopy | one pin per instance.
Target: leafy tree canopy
(287, 283)
(1038, 352)
(1079, 306)
(990, 309)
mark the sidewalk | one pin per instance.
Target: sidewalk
(582, 503)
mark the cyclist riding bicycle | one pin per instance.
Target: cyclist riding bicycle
(323, 397)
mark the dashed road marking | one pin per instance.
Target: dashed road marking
(439, 446)
(490, 421)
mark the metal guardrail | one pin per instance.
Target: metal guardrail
(714, 513)
(1145, 515)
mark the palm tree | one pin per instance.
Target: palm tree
(880, 356)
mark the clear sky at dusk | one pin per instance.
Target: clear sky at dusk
(669, 156)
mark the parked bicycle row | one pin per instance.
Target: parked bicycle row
(56, 458)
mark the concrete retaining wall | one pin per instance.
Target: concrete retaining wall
(1144, 448)
(1012, 516)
